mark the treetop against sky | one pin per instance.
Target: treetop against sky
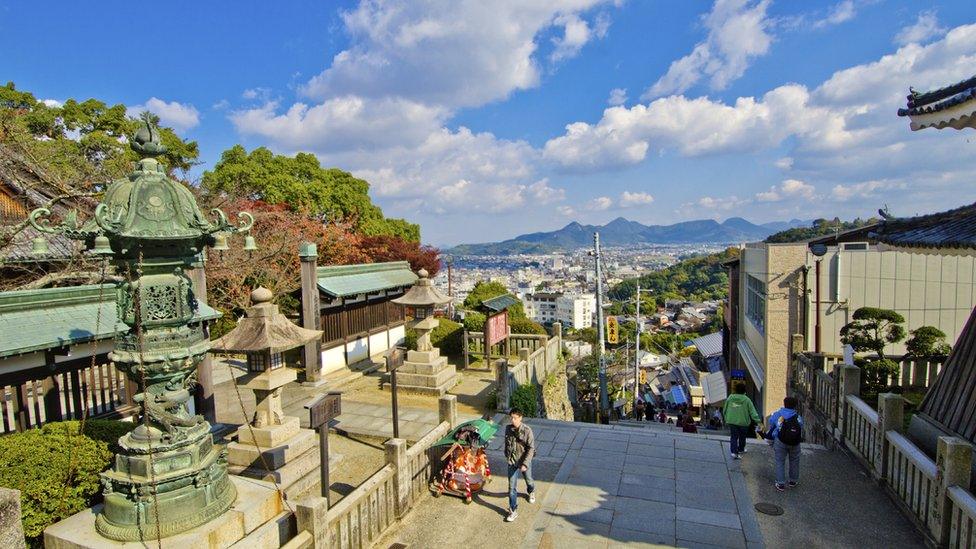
(485, 120)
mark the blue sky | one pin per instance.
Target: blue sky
(483, 122)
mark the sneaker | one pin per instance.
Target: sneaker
(511, 516)
(780, 487)
(531, 497)
(735, 456)
(742, 451)
(793, 484)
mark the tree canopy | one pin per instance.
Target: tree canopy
(872, 329)
(696, 278)
(301, 183)
(485, 289)
(820, 227)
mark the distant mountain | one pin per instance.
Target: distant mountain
(624, 232)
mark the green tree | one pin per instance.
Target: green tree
(927, 342)
(872, 329)
(488, 289)
(303, 184)
(820, 227)
(697, 278)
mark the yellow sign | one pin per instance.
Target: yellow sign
(613, 333)
(643, 377)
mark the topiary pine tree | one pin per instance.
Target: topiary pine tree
(927, 342)
(872, 330)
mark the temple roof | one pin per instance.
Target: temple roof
(348, 280)
(264, 328)
(951, 106)
(499, 303)
(35, 320)
(952, 229)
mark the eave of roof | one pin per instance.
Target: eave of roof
(951, 229)
(499, 303)
(35, 320)
(349, 280)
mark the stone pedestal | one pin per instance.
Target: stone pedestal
(285, 453)
(258, 508)
(426, 372)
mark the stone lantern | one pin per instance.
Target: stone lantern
(273, 446)
(169, 476)
(424, 370)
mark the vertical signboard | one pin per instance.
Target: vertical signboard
(613, 331)
(496, 328)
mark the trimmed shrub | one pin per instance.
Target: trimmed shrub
(526, 398)
(525, 326)
(448, 336)
(107, 430)
(56, 470)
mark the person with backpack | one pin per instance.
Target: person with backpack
(786, 432)
(739, 413)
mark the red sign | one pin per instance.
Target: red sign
(496, 328)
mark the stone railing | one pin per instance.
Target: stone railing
(531, 367)
(473, 343)
(913, 373)
(934, 493)
(363, 516)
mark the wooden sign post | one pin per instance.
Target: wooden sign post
(321, 410)
(394, 359)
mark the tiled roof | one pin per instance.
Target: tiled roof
(953, 106)
(347, 280)
(951, 229)
(34, 320)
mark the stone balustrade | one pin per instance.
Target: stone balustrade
(933, 493)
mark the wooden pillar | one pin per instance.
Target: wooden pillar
(311, 313)
(203, 398)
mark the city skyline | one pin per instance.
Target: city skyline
(527, 118)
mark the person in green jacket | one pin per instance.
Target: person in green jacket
(739, 413)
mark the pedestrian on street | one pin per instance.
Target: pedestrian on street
(519, 450)
(739, 412)
(649, 411)
(786, 432)
(639, 411)
(662, 417)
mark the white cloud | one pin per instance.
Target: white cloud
(599, 204)
(632, 199)
(784, 163)
(865, 189)
(53, 103)
(790, 188)
(925, 28)
(738, 32)
(618, 96)
(468, 52)
(542, 193)
(220, 105)
(566, 211)
(839, 13)
(723, 204)
(179, 116)
(576, 33)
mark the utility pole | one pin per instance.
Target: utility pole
(601, 351)
(450, 287)
(637, 350)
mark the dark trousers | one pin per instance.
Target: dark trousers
(738, 438)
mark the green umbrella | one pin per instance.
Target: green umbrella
(486, 430)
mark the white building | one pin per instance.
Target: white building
(541, 307)
(576, 310)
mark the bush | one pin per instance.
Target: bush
(107, 431)
(38, 462)
(927, 342)
(525, 326)
(474, 322)
(875, 372)
(525, 399)
(448, 336)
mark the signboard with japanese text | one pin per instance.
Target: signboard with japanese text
(496, 328)
(324, 409)
(394, 359)
(613, 330)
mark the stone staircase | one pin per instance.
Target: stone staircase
(666, 428)
(353, 372)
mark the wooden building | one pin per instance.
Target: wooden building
(352, 306)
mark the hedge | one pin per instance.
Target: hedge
(37, 462)
(526, 400)
(447, 337)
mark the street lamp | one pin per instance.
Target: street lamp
(169, 477)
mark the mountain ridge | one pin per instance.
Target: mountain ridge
(625, 232)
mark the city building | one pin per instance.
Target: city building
(541, 306)
(576, 310)
(776, 298)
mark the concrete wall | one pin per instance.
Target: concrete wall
(927, 289)
(341, 355)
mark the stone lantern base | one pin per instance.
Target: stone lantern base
(426, 372)
(290, 453)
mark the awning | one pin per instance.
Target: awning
(709, 345)
(349, 280)
(752, 364)
(716, 390)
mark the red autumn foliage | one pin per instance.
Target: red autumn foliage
(390, 248)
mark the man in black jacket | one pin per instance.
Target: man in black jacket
(519, 450)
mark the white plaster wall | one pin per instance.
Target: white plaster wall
(357, 350)
(333, 359)
(377, 343)
(397, 335)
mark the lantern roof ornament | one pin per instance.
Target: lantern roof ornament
(422, 294)
(264, 329)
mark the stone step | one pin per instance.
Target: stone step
(285, 476)
(248, 455)
(340, 377)
(271, 534)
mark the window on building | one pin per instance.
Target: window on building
(756, 302)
